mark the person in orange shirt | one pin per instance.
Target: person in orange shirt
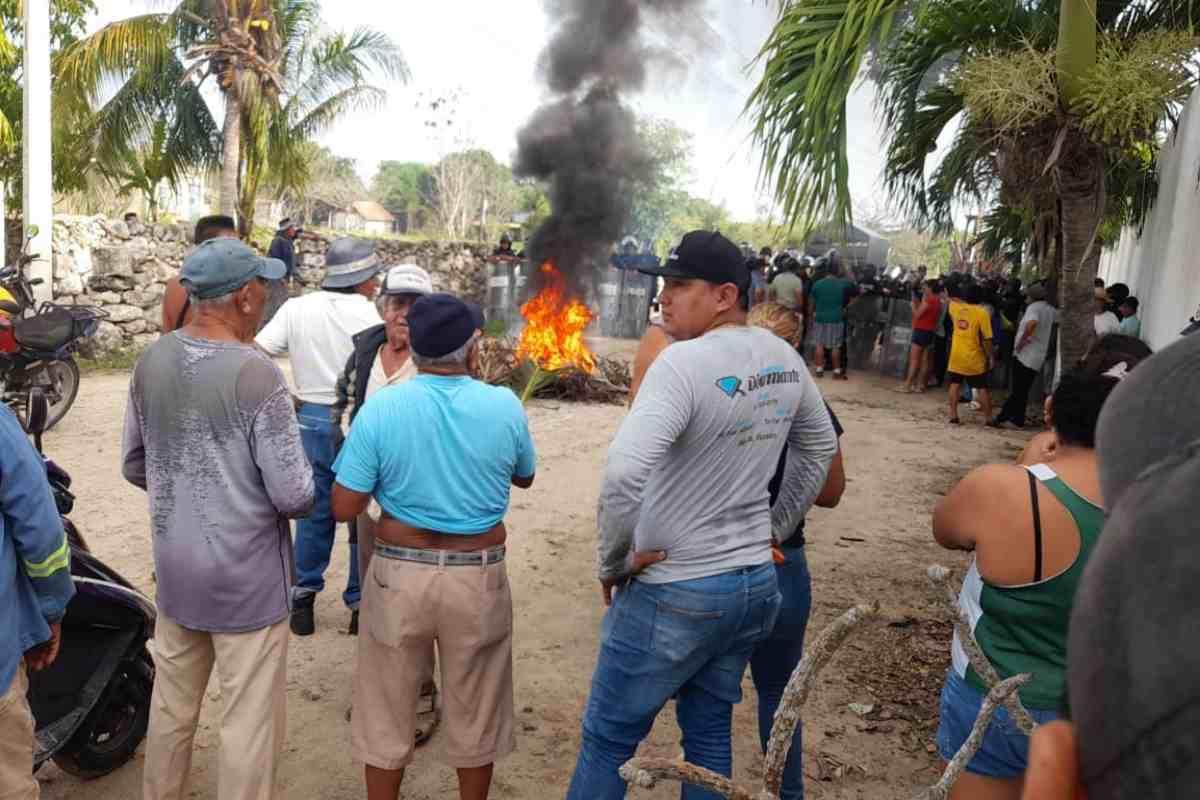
(970, 352)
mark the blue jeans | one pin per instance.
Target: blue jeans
(776, 657)
(314, 535)
(689, 640)
(1004, 752)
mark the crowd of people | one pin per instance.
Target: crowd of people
(727, 444)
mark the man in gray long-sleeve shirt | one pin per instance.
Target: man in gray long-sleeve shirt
(685, 521)
(211, 435)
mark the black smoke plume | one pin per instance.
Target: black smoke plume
(585, 141)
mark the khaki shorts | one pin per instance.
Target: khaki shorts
(467, 611)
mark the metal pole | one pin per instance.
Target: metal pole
(39, 185)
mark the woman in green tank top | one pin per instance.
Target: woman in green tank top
(1032, 529)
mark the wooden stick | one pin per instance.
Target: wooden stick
(939, 576)
(1001, 693)
(787, 717)
(646, 772)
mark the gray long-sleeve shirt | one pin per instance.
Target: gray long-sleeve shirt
(689, 468)
(211, 435)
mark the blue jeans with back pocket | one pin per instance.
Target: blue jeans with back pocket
(315, 533)
(690, 640)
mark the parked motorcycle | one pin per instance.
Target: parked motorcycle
(91, 707)
(38, 342)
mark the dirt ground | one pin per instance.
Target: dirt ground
(900, 457)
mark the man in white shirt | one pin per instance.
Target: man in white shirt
(317, 332)
(1033, 340)
(1105, 321)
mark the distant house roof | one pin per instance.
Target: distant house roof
(371, 211)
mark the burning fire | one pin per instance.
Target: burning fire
(553, 334)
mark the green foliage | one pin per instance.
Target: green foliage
(68, 19)
(811, 62)
(401, 186)
(122, 359)
(661, 192)
(299, 80)
(1136, 84)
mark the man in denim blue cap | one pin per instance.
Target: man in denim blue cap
(211, 436)
(317, 332)
(439, 453)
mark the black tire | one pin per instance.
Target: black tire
(115, 727)
(61, 379)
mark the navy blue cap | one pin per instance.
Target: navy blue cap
(222, 265)
(706, 256)
(441, 323)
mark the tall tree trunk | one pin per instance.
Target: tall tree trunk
(1080, 173)
(231, 152)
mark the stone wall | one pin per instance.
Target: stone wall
(124, 269)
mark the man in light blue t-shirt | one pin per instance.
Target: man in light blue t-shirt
(439, 454)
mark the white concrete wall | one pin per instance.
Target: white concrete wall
(1162, 266)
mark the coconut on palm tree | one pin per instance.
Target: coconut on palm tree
(1057, 110)
(251, 49)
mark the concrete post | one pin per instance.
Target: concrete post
(39, 181)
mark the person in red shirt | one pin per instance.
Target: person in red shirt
(926, 313)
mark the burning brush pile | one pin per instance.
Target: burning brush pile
(550, 358)
(582, 142)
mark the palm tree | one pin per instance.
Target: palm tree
(249, 48)
(1023, 86)
(327, 77)
(8, 63)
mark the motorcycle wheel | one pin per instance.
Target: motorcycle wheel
(60, 379)
(115, 727)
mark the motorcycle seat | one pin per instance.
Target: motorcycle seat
(46, 332)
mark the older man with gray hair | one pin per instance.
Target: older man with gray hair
(317, 331)
(440, 454)
(211, 435)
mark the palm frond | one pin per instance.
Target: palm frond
(811, 62)
(109, 54)
(966, 172)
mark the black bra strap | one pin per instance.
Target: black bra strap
(1037, 529)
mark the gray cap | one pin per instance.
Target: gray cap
(1134, 656)
(222, 265)
(349, 262)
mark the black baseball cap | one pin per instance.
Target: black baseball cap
(706, 256)
(441, 323)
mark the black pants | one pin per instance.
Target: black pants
(1014, 406)
(941, 358)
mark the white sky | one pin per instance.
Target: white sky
(488, 50)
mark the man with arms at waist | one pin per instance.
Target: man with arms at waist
(685, 487)
(317, 331)
(211, 435)
(439, 453)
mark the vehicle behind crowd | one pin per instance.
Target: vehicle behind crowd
(92, 705)
(38, 342)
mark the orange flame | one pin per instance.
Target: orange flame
(553, 334)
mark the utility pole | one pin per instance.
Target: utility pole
(36, 142)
